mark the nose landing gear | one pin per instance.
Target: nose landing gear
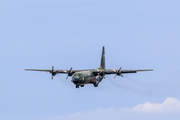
(95, 85)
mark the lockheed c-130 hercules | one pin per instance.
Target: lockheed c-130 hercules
(89, 76)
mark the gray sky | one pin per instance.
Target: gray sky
(141, 34)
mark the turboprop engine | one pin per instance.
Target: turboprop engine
(98, 79)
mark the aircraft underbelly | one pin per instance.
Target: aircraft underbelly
(90, 80)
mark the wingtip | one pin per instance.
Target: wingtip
(27, 69)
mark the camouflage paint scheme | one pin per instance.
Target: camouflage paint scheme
(89, 76)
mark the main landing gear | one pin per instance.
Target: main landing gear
(77, 85)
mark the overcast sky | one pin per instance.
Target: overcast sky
(141, 34)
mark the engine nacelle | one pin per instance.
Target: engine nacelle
(98, 79)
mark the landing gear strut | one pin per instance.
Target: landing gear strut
(77, 86)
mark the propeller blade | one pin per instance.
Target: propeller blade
(69, 73)
(120, 69)
(52, 72)
(115, 76)
(71, 69)
(53, 68)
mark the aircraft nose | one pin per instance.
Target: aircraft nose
(75, 80)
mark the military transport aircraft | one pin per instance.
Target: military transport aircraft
(89, 76)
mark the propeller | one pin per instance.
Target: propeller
(118, 73)
(101, 73)
(53, 73)
(69, 73)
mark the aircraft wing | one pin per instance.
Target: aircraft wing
(48, 70)
(57, 71)
(114, 71)
(106, 71)
(95, 71)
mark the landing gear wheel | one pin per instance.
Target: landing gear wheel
(95, 85)
(77, 86)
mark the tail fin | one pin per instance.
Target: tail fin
(102, 65)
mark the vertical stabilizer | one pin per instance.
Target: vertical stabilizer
(102, 65)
